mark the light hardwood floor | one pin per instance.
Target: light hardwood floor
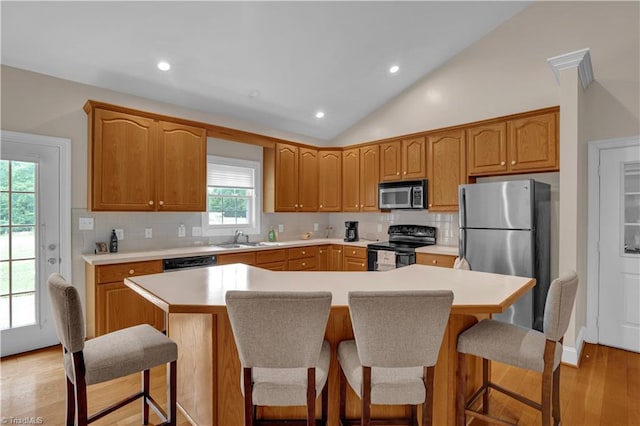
(605, 390)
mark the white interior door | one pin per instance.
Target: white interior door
(30, 240)
(619, 280)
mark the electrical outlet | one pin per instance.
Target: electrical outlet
(315, 226)
(196, 231)
(85, 224)
(182, 230)
(148, 232)
(280, 228)
(120, 234)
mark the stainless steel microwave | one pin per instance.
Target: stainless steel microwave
(402, 195)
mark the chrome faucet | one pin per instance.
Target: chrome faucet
(236, 236)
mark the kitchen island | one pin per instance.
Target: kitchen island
(208, 364)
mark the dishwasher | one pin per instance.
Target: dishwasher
(180, 263)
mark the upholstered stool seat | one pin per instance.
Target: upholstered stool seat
(288, 386)
(507, 343)
(520, 347)
(121, 353)
(398, 335)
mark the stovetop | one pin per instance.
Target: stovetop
(407, 238)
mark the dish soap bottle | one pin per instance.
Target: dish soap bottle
(113, 242)
(272, 235)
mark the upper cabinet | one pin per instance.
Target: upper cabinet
(296, 178)
(330, 181)
(524, 144)
(403, 159)
(446, 169)
(360, 167)
(138, 163)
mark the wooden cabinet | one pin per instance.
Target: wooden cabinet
(303, 258)
(523, 144)
(247, 257)
(403, 159)
(111, 305)
(323, 258)
(296, 178)
(330, 181)
(446, 152)
(360, 168)
(139, 163)
(335, 257)
(442, 260)
(274, 260)
(354, 258)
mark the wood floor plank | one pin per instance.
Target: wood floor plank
(605, 390)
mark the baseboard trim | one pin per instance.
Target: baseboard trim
(571, 355)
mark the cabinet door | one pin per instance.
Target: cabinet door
(330, 181)
(442, 260)
(286, 178)
(414, 158)
(354, 264)
(351, 180)
(248, 258)
(487, 149)
(446, 169)
(182, 168)
(533, 143)
(308, 180)
(323, 258)
(369, 172)
(121, 160)
(391, 161)
(122, 307)
(335, 258)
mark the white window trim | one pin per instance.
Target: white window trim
(224, 230)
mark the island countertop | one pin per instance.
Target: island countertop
(197, 289)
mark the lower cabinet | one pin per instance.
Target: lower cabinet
(323, 258)
(303, 258)
(111, 305)
(248, 258)
(354, 258)
(442, 260)
(274, 260)
(335, 257)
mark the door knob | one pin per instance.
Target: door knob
(52, 247)
(51, 261)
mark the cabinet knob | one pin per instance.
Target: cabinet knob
(339, 251)
(321, 251)
(361, 205)
(434, 261)
(353, 252)
(150, 202)
(362, 264)
(502, 163)
(304, 252)
(356, 206)
(320, 205)
(405, 172)
(513, 162)
(301, 205)
(295, 205)
(132, 271)
(161, 203)
(397, 173)
(304, 263)
(430, 204)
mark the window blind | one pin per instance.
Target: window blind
(223, 175)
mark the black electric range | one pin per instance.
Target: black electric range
(400, 250)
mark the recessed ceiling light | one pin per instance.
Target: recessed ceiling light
(319, 114)
(164, 66)
(394, 69)
(254, 94)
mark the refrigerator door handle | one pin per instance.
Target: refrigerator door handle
(463, 223)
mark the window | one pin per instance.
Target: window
(233, 199)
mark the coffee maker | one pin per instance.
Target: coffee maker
(351, 231)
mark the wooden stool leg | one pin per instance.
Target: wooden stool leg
(145, 396)
(311, 396)
(325, 402)
(343, 395)
(547, 381)
(461, 393)
(427, 408)
(80, 389)
(556, 397)
(248, 399)
(172, 386)
(71, 403)
(485, 385)
(366, 396)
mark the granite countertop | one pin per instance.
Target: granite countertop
(141, 256)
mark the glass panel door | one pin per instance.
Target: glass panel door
(631, 208)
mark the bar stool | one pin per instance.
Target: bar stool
(284, 357)
(520, 347)
(107, 357)
(398, 335)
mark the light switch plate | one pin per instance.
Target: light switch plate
(182, 230)
(85, 223)
(280, 228)
(120, 234)
(196, 231)
(148, 232)
(315, 226)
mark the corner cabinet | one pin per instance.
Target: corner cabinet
(360, 171)
(403, 159)
(526, 143)
(140, 163)
(446, 169)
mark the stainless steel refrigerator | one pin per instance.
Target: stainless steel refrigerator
(505, 228)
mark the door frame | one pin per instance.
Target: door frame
(64, 147)
(593, 227)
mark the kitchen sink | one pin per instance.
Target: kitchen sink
(245, 245)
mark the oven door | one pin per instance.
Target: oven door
(402, 258)
(395, 197)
